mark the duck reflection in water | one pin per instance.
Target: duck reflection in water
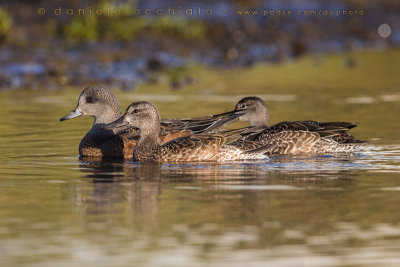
(115, 182)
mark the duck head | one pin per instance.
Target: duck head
(141, 115)
(255, 111)
(98, 102)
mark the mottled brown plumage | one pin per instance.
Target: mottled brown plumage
(194, 147)
(294, 137)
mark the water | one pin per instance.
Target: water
(57, 210)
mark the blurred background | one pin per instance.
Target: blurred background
(54, 44)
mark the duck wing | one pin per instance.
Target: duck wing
(200, 125)
(130, 133)
(291, 137)
(335, 131)
(192, 148)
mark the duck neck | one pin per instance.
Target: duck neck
(148, 146)
(97, 134)
(259, 117)
(259, 121)
(108, 115)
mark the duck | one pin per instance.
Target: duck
(145, 116)
(295, 137)
(101, 104)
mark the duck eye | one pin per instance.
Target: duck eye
(89, 99)
(135, 110)
(243, 106)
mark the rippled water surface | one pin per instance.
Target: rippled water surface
(58, 210)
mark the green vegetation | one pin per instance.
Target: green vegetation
(176, 26)
(83, 28)
(5, 23)
(94, 27)
(126, 26)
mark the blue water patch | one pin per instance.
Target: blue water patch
(22, 69)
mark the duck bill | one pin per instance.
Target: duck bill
(118, 125)
(234, 113)
(240, 114)
(73, 114)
